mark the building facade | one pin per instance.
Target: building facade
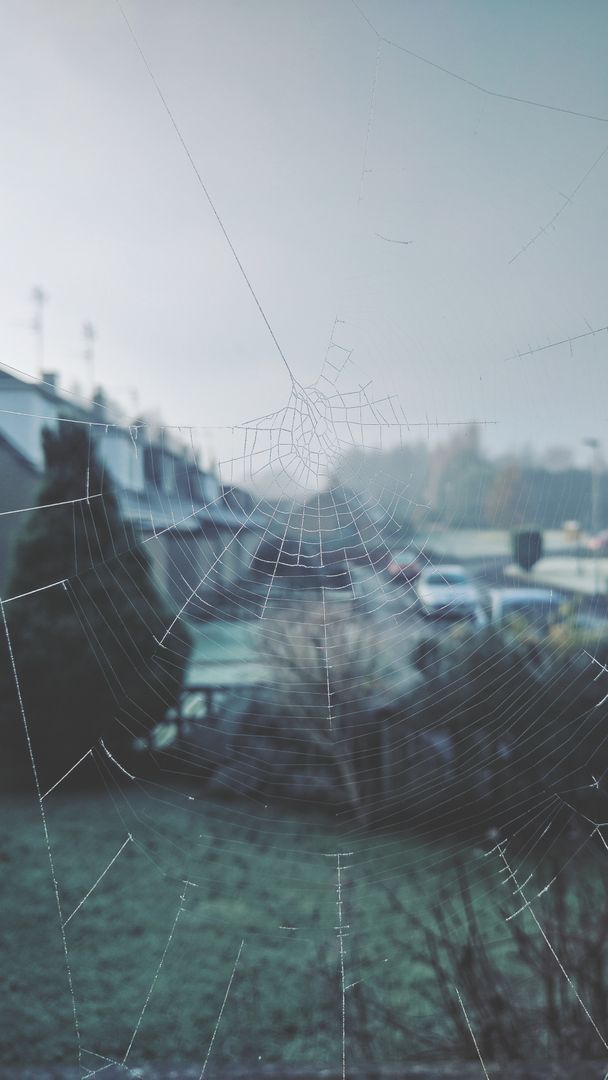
(198, 536)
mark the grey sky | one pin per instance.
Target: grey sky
(100, 205)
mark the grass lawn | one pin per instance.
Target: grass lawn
(140, 964)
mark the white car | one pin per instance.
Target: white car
(447, 591)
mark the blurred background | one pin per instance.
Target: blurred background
(303, 539)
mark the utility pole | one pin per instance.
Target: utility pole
(39, 299)
(594, 445)
(88, 354)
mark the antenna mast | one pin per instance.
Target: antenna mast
(39, 299)
(88, 354)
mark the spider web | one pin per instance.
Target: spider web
(182, 837)
(323, 625)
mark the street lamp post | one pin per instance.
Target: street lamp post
(594, 445)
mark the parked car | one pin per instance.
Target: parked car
(406, 566)
(598, 544)
(538, 607)
(447, 591)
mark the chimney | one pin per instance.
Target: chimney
(51, 378)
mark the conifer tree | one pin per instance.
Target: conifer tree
(87, 661)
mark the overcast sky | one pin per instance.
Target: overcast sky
(314, 143)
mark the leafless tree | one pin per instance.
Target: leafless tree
(330, 668)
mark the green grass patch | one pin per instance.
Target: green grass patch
(143, 959)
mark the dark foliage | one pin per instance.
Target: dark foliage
(468, 734)
(501, 721)
(84, 649)
(519, 1004)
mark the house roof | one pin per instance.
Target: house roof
(45, 390)
(16, 454)
(150, 509)
(153, 511)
